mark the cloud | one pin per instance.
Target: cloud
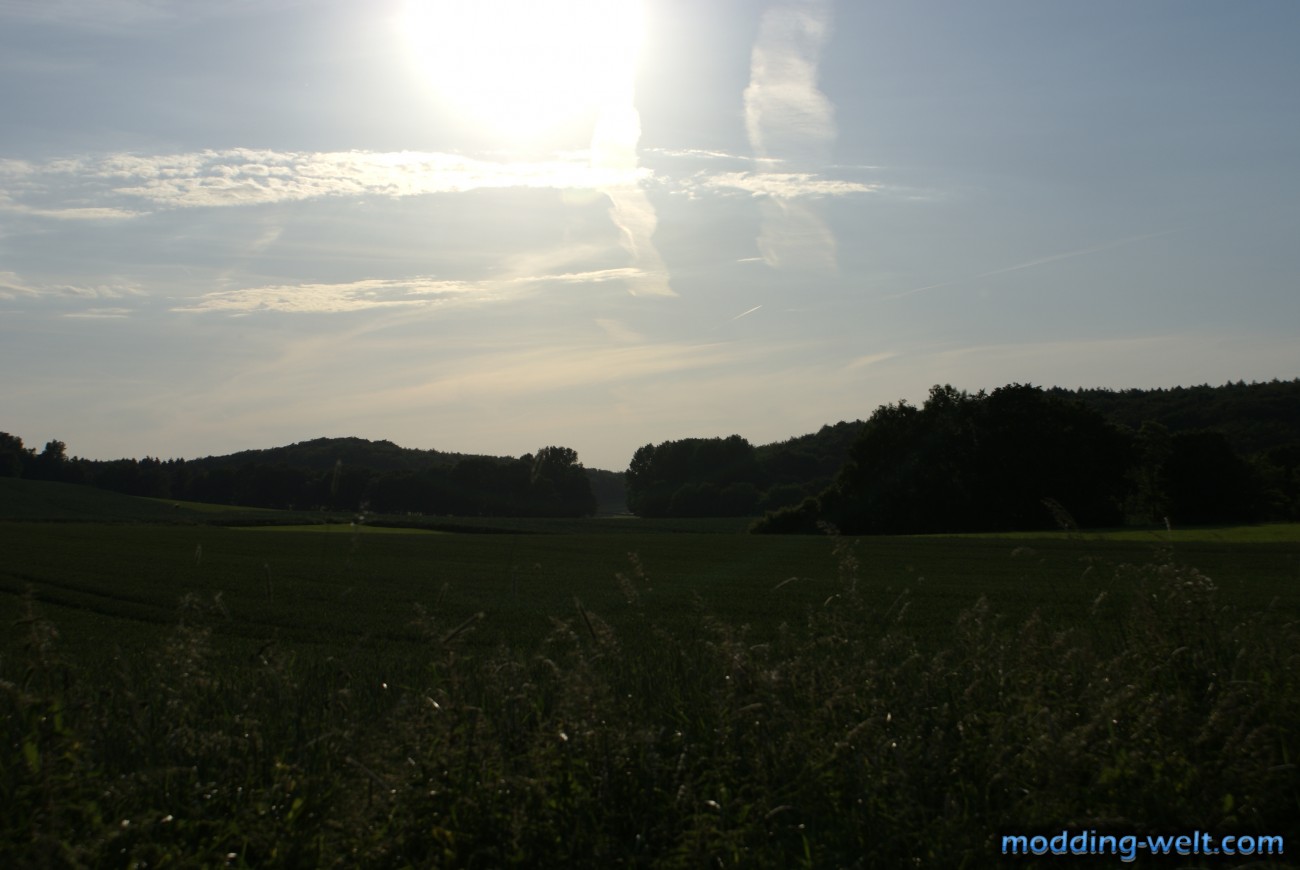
(635, 217)
(697, 154)
(543, 371)
(371, 293)
(303, 384)
(243, 176)
(100, 313)
(793, 236)
(596, 276)
(13, 286)
(14, 169)
(790, 121)
(123, 186)
(786, 115)
(787, 185)
(614, 141)
(870, 359)
(330, 298)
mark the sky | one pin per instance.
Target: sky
(492, 227)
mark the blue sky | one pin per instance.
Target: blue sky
(603, 224)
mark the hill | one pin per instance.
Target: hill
(1255, 418)
(1022, 458)
(692, 477)
(44, 501)
(323, 454)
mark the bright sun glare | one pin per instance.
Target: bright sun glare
(521, 69)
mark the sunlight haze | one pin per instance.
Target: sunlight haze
(490, 227)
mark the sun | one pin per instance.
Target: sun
(522, 70)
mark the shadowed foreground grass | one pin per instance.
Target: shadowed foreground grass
(682, 742)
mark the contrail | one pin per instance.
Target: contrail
(723, 323)
(1029, 264)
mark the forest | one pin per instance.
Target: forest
(349, 474)
(1021, 457)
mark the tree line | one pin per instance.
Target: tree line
(1255, 417)
(1022, 458)
(701, 477)
(551, 482)
(960, 462)
(1019, 458)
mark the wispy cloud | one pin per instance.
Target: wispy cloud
(329, 298)
(8, 203)
(244, 176)
(787, 185)
(420, 291)
(14, 286)
(122, 186)
(614, 143)
(790, 121)
(870, 359)
(698, 154)
(100, 313)
(793, 236)
(302, 384)
(786, 114)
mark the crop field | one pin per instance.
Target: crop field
(619, 693)
(326, 586)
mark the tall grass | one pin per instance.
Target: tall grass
(626, 739)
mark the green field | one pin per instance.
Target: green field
(621, 693)
(325, 584)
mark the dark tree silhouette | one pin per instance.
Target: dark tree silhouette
(13, 456)
(982, 462)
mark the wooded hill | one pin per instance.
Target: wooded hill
(1025, 458)
(339, 474)
(1255, 418)
(1254, 433)
(1199, 454)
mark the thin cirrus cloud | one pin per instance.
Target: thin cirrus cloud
(789, 122)
(786, 185)
(117, 186)
(257, 395)
(14, 286)
(100, 314)
(366, 294)
(242, 176)
(329, 298)
(614, 141)
(786, 114)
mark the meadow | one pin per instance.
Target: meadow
(181, 692)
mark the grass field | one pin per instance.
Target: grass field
(617, 693)
(1269, 533)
